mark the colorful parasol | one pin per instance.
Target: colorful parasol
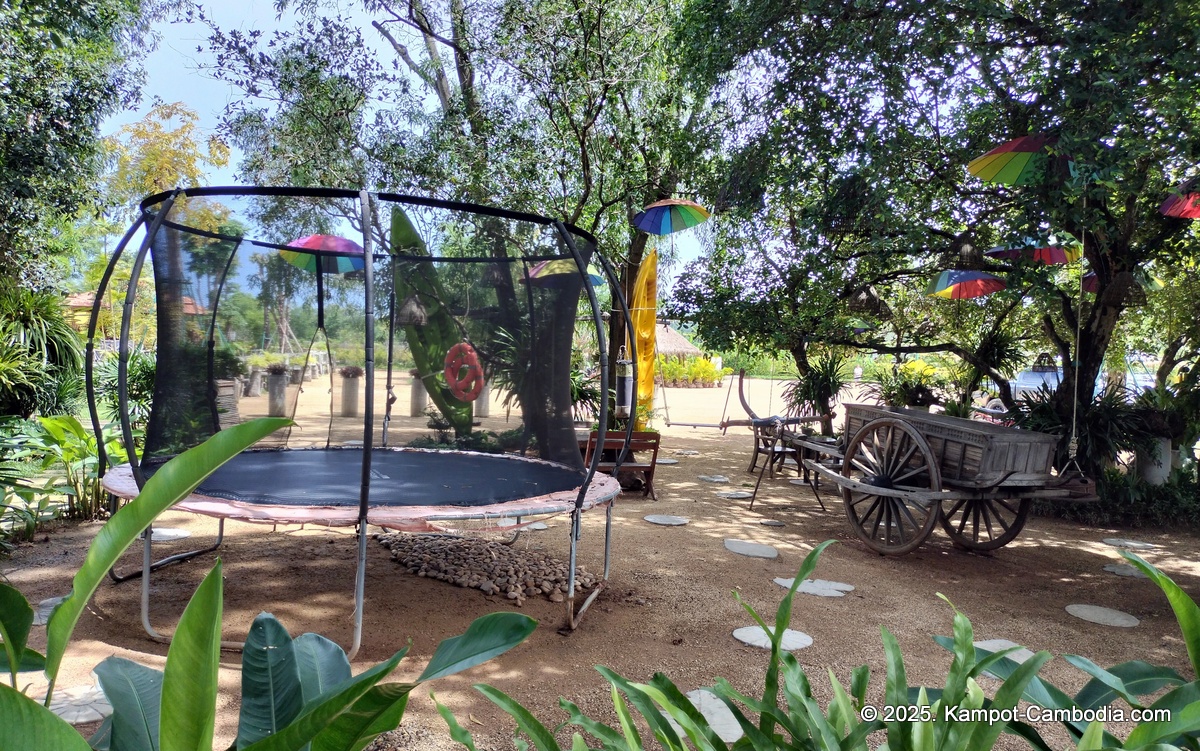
(960, 284)
(1051, 255)
(1021, 161)
(337, 254)
(1185, 204)
(559, 271)
(671, 215)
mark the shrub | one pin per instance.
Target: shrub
(278, 368)
(1128, 501)
(350, 371)
(139, 385)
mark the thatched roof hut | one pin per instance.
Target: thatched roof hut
(671, 343)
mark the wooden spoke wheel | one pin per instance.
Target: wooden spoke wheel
(984, 523)
(889, 454)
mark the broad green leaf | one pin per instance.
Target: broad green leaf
(1093, 737)
(319, 714)
(700, 734)
(1186, 612)
(841, 711)
(135, 692)
(1113, 682)
(632, 738)
(102, 739)
(1183, 704)
(378, 711)
(985, 735)
(895, 687)
(458, 733)
(543, 739)
(26, 725)
(757, 740)
(577, 743)
(662, 729)
(609, 738)
(322, 664)
(672, 694)
(271, 693)
(173, 482)
(487, 636)
(1140, 678)
(31, 660)
(189, 687)
(16, 618)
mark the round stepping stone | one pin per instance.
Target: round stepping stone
(539, 526)
(719, 718)
(168, 534)
(667, 460)
(666, 520)
(771, 523)
(802, 483)
(81, 704)
(735, 495)
(1124, 569)
(818, 587)
(1121, 542)
(995, 645)
(41, 614)
(713, 478)
(507, 521)
(755, 636)
(1103, 616)
(751, 549)
(685, 452)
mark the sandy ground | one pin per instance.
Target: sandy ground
(669, 606)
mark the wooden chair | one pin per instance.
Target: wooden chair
(615, 450)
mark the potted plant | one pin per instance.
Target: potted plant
(278, 375)
(351, 381)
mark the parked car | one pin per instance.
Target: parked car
(1029, 382)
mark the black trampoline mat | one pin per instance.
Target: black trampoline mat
(332, 477)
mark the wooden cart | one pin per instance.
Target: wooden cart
(904, 471)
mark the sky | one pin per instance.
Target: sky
(173, 73)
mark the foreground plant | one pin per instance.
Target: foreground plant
(913, 718)
(297, 693)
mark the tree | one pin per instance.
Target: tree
(65, 68)
(860, 119)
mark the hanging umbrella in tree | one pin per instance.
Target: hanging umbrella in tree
(335, 255)
(1185, 204)
(1053, 254)
(1021, 161)
(670, 215)
(960, 284)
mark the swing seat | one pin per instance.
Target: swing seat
(1080, 488)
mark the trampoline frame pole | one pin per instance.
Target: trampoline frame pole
(364, 497)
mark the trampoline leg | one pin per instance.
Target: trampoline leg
(360, 581)
(608, 540)
(575, 616)
(177, 558)
(147, 567)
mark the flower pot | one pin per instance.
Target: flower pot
(254, 382)
(350, 389)
(277, 394)
(483, 406)
(418, 396)
(1154, 466)
(297, 377)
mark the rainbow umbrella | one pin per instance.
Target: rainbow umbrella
(337, 254)
(1185, 204)
(1021, 161)
(1051, 255)
(671, 215)
(558, 272)
(959, 284)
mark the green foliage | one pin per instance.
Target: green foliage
(139, 383)
(41, 357)
(1126, 500)
(788, 715)
(813, 392)
(295, 692)
(1109, 425)
(68, 453)
(905, 385)
(585, 395)
(690, 371)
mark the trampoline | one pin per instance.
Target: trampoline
(319, 305)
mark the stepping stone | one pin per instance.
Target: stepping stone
(1121, 542)
(538, 526)
(771, 523)
(720, 719)
(713, 478)
(995, 645)
(668, 460)
(666, 520)
(801, 483)
(80, 704)
(41, 614)
(735, 495)
(685, 452)
(751, 549)
(755, 636)
(818, 587)
(1124, 569)
(1103, 616)
(507, 521)
(166, 534)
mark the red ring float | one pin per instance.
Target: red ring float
(470, 385)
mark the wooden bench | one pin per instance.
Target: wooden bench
(615, 447)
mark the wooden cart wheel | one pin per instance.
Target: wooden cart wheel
(984, 523)
(891, 455)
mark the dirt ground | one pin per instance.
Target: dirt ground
(669, 605)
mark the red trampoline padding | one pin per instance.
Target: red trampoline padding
(409, 514)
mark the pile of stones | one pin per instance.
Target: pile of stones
(485, 565)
